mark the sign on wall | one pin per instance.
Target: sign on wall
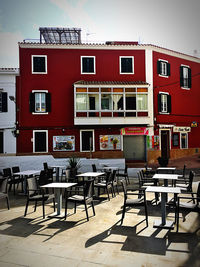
(185, 129)
(135, 131)
(110, 142)
(156, 142)
(64, 143)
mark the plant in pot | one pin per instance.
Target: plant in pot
(163, 162)
(73, 166)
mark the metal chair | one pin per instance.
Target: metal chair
(132, 202)
(106, 184)
(186, 183)
(124, 174)
(35, 194)
(86, 198)
(189, 203)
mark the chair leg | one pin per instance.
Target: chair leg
(86, 211)
(54, 205)
(26, 208)
(74, 206)
(93, 208)
(177, 216)
(123, 214)
(65, 208)
(108, 194)
(35, 206)
(146, 212)
(8, 204)
(43, 209)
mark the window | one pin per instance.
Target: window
(130, 102)
(164, 103)
(163, 68)
(39, 64)
(40, 141)
(106, 102)
(185, 77)
(3, 102)
(87, 140)
(175, 139)
(88, 65)
(126, 65)
(184, 140)
(40, 102)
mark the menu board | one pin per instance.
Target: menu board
(64, 143)
(110, 142)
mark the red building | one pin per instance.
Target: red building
(109, 100)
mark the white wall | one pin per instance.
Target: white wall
(7, 119)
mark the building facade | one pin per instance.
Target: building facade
(8, 110)
(110, 100)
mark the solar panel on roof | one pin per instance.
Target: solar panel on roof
(60, 35)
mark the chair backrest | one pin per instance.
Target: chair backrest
(126, 169)
(15, 169)
(32, 185)
(191, 177)
(113, 176)
(7, 172)
(88, 188)
(3, 185)
(45, 165)
(94, 168)
(184, 170)
(123, 182)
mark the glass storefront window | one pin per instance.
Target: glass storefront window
(81, 102)
(142, 102)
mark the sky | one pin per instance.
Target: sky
(172, 24)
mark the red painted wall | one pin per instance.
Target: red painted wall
(64, 68)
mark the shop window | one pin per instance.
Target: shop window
(163, 68)
(39, 64)
(175, 139)
(87, 140)
(127, 65)
(185, 77)
(40, 141)
(184, 140)
(3, 102)
(88, 65)
(164, 103)
(40, 102)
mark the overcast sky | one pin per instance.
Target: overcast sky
(172, 24)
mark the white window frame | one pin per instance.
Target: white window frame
(34, 131)
(87, 130)
(162, 110)
(88, 73)
(45, 56)
(40, 113)
(185, 67)
(186, 140)
(120, 67)
(163, 63)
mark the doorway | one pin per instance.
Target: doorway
(165, 145)
(134, 147)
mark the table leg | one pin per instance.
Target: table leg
(163, 207)
(58, 213)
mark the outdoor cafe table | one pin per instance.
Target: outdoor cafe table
(163, 223)
(90, 175)
(58, 194)
(25, 175)
(57, 167)
(165, 177)
(166, 170)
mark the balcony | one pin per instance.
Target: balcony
(114, 103)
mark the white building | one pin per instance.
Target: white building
(8, 110)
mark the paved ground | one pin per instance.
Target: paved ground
(34, 241)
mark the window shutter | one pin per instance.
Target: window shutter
(158, 67)
(169, 105)
(181, 76)
(4, 102)
(189, 78)
(159, 102)
(48, 102)
(168, 69)
(32, 102)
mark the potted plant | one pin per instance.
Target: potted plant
(73, 165)
(163, 162)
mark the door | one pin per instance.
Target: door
(1, 142)
(165, 148)
(135, 147)
(40, 141)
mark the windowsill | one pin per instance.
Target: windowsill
(40, 113)
(164, 113)
(127, 73)
(39, 72)
(185, 88)
(163, 76)
(88, 73)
